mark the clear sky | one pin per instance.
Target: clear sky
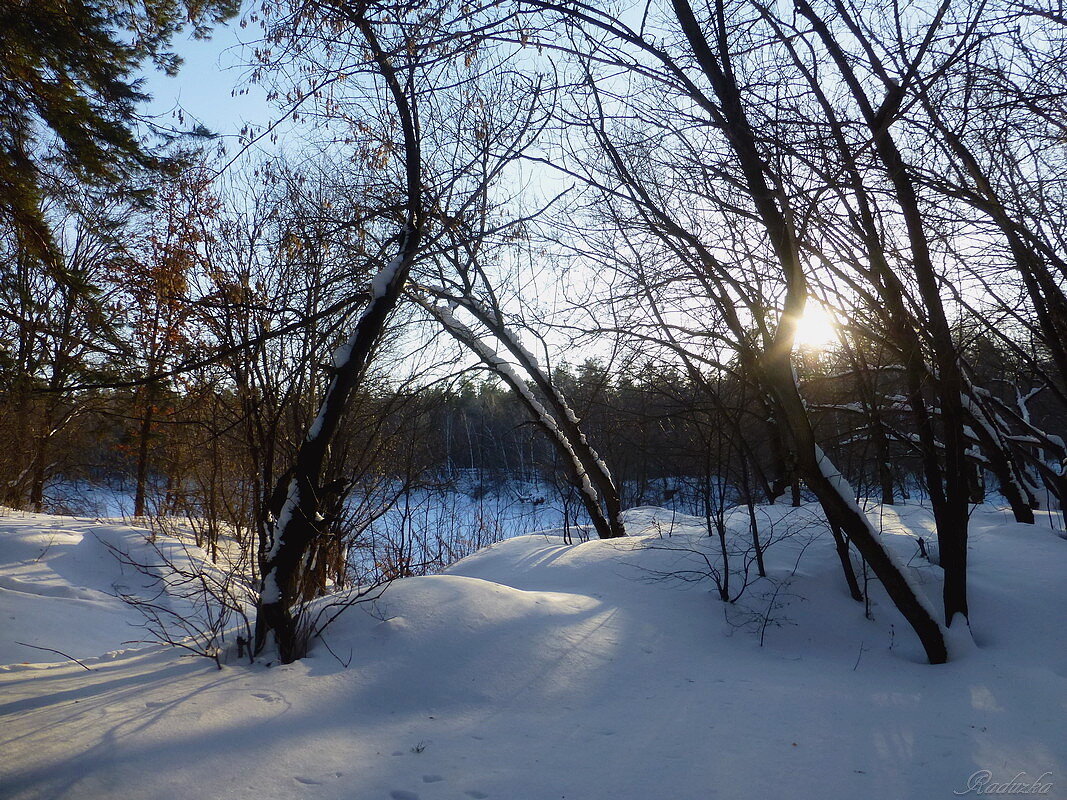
(204, 87)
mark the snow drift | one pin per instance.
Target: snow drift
(536, 670)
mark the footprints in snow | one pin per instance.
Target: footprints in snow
(268, 697)
(403, 794)
(395, 794)
(429, 778)
(307, 781)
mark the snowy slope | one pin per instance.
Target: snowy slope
(536, 670)
(62, 580)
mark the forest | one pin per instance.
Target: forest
(567, 261)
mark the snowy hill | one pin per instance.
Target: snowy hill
(536, 670)
(63, 580)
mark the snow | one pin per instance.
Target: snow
(380, 283)
(271, 592)
(343, 353)
(530, 363)
(534, 670)
(61, 584)
(841, 486)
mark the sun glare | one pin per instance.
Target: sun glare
(816, 329)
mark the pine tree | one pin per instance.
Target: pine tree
(69, 93)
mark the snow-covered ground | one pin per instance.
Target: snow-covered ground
(537, 670)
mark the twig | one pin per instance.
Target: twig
(58, 653)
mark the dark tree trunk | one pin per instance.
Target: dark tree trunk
(297, 524)
(843, 513)
(40, 464)
(846, 564)
(776, 367)
(999, 461)
(144, 434)
(949, 498)
(756, 544)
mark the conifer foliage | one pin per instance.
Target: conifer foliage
(69, 91)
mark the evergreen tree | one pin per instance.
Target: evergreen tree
(69, 93)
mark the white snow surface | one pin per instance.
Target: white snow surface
(62, 580)
(380, 284)
(536, 670)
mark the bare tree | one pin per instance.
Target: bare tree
(744, 167)
(403, 61)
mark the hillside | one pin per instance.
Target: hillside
(536, 670)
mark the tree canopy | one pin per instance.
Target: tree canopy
(69, 94)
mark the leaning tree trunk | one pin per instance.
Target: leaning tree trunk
(951, 507)
(839, 505)
(776, 368)
(1000, 460)
(597, 490)
(590, 467)
(298, 521)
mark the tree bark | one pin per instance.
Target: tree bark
(951, 507)
(776, 367)
(297, 524)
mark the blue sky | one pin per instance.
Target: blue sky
(204, 86)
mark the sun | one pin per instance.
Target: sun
(817, 329)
